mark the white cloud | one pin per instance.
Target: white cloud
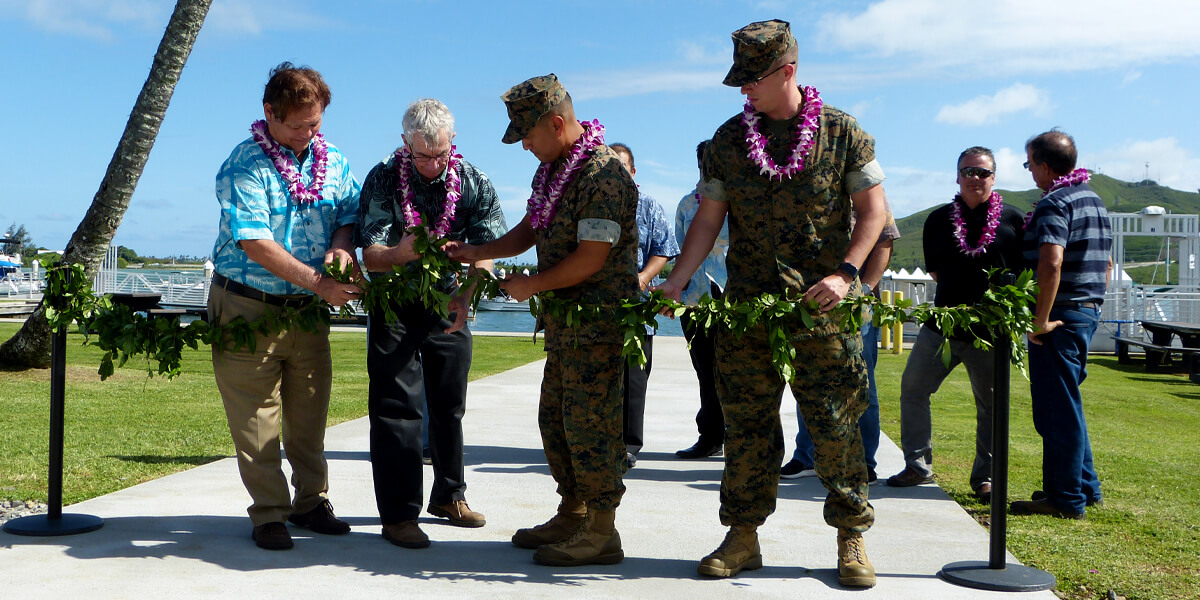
(1012, 36)
(618, 84)
(1131, 77)
(985, 109)
(1170, 164)
(94, 19)
(252, 17)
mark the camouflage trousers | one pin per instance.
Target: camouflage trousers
(580, 420)
(830, 390)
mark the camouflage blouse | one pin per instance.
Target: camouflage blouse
(790, 234)
(602, 193)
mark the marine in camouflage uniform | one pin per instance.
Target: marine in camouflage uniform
(579, 414)
(789, 236)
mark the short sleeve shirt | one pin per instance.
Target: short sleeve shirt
(712, 270)
(1075, 218)
(602, 191)
(478, 218)
(655, 235)
(787, 235)
(256, 205)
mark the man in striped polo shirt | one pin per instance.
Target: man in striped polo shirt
(1067, 241)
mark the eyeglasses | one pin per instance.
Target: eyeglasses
(759, 80)
(976, 172)
(422, 158)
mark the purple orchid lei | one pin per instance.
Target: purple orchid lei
(404, 167)
(544, 201)
(288, 171)
(1075, 177)
(987, 236)
(806, 131)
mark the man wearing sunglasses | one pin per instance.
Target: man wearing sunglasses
(789, 172)
(975, 232)
(421, 362)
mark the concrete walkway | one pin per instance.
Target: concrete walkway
(187, 535)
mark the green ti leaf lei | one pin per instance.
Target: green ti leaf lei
(1004, 312)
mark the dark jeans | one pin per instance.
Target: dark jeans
(634, 406)
(413, 365)
(709, 420)
(868, 423)
(1057, 367)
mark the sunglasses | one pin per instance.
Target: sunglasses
(976, 172)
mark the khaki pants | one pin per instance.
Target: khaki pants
(285, 380)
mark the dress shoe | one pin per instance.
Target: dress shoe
(406, 534)
(739, 551)
(595, 542)
(854, 568)
(426, 457)
(1097, 502)
(459, 513)
(321, 520)
(794, 469)
(700, 449)
(984, 492)
(630, 460)
(571, 513)
(908, 478)
(272, 536)
(1043, 507)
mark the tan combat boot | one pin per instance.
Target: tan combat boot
(739, 551)
(571, 513)
(854, 568)
(596, 542)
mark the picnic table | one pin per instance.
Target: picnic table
(1160, 348)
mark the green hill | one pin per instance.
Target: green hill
(1119, 196)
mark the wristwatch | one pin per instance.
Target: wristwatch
(848, 269)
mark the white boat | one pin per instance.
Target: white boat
(503, 304)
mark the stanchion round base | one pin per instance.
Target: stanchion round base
(68, 524)
(1012, 578)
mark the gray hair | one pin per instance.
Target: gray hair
(427, 118)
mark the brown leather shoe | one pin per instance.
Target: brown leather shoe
(854, 568)
(272, 536)
(571, 513)
(406, 534)
(459, 513)
(1043, 507)
(321, 520)
(984, 492)
(739, 551)
(908, 478)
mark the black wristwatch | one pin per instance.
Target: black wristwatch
(849, 269)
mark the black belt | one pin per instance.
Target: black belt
(246, 291)
(1078, 305)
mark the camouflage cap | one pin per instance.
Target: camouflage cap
(528, 102)
(755, 48)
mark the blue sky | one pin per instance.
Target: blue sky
(927, 78)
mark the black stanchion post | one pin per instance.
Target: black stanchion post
(54, 522)
(997, 574)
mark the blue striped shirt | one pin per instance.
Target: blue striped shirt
(256, 205)
(1074, 218)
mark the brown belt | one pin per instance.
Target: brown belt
(246, 291)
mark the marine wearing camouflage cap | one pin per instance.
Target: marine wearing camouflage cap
(755, 48)
(528, 102)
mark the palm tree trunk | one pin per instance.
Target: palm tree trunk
(30, 347)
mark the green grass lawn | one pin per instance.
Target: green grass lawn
(1145, 541)
(130, 429)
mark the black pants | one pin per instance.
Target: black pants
(636, 380)
(403, 359)
(709, 420)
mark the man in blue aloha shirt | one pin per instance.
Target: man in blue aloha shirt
(656, 246)
(275, 238)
